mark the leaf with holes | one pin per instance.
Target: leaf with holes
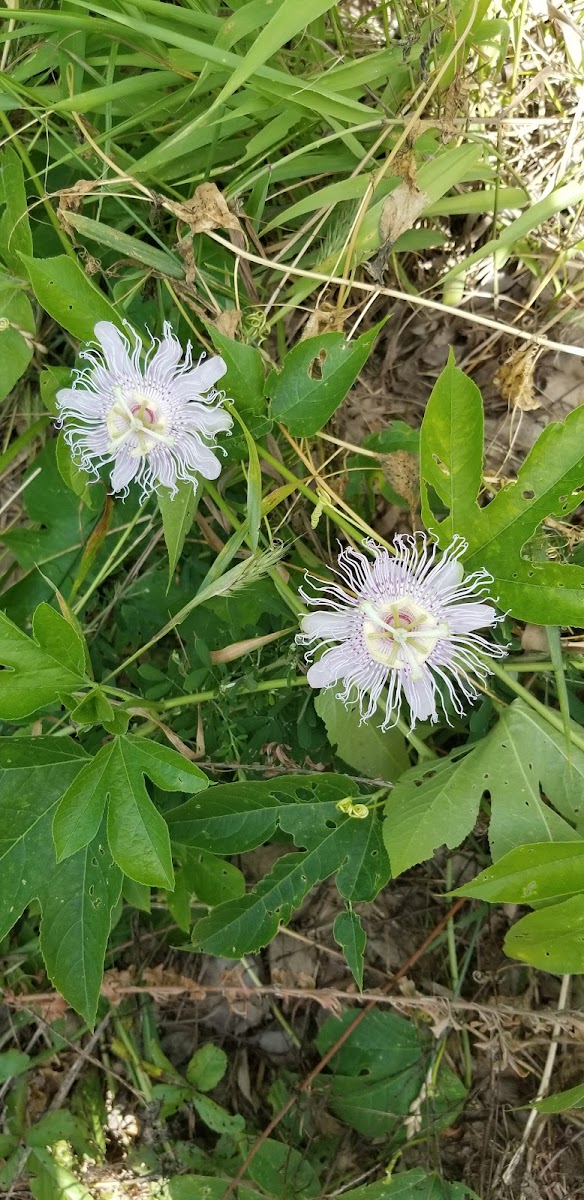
(40, 670)
(238, 817)
(136, 832)
(521, 756)
(76, 897)
(315, 378)
(549, 484)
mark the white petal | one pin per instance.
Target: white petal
(421, 697)
(195, 454)
(125, 469)
(201, 378)
(115, 348)
(446, 575)
(162, 366)
(82, 403)
(463, 618)
(331, 626)
(208, 421)
(332, 666)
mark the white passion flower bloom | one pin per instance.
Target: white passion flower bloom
(407, 622)
(154, 423)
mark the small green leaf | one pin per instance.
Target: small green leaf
(64, 291)
(207, 1067)
(349, 934)
(217, 1118)
(540, 871)
(177, 514)
(39, 670)
(315, 378)
(551, 939)
(137, 894)
(212, 880)
(451, 452)
(362, 745)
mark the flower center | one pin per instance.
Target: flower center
(401, 634)
(138, 419)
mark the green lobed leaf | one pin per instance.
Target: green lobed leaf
(77, 904)
(39, 670)
(76, 898)
(541, 871)
(349, 934)
(362, 745)
(63, 289)
(335, 843)
(315, 378)
(549, 483)
(438, 803)
(551, 939)
(137, 833)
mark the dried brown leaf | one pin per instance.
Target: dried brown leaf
(514, 379)
(401, 469)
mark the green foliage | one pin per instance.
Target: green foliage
(548, 484)
(378, 1074)
(126, 629)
